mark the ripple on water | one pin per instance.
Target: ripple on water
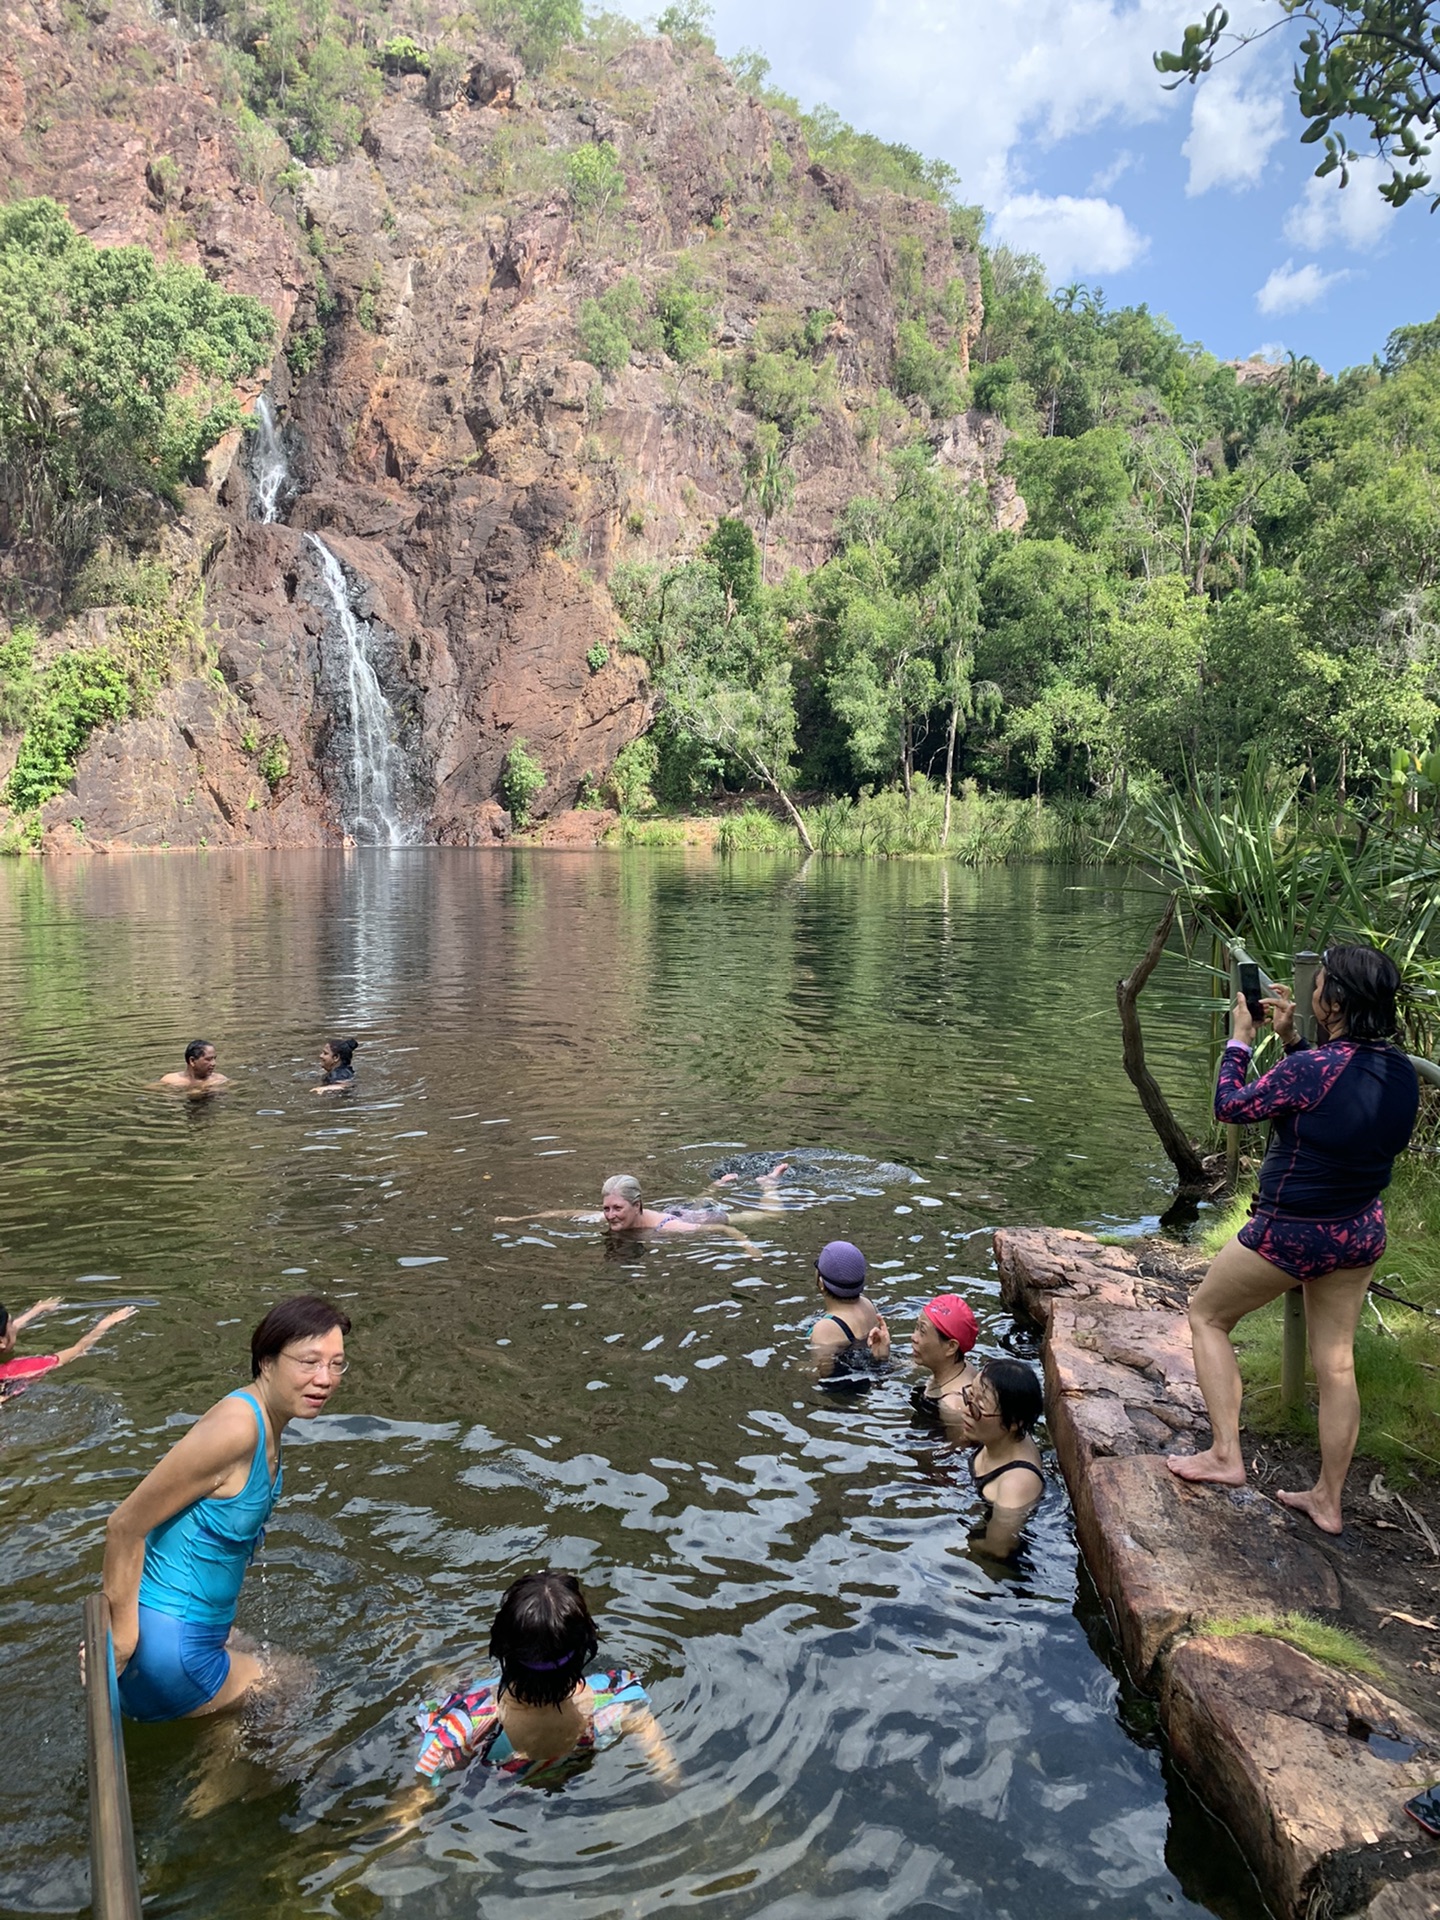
(866, 1719)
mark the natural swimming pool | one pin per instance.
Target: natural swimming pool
(868, 1721)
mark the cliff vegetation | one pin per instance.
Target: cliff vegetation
(666, 440)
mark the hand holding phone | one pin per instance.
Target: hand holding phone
(1251, 988)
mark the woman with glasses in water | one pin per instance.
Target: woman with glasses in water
(1340, 1112)
(999, 1413)
(176, 1549)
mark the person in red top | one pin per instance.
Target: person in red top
(31, 1364)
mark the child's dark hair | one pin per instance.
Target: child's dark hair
(543, 1638)
(1019, 1398)
(4, 1321)
(344, 1050)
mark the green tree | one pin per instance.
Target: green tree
(769, 481)
(594, 179)
(116, 375)
(1375, 62)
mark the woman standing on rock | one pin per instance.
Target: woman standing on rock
(1341, 1112)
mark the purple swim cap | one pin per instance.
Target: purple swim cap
(842, 1267)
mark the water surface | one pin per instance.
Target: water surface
(869, 1721)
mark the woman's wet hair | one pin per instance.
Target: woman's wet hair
(344, 1050)
(543, 1638)
(305, 1316)
(194, 1050)
(1019, 1398)
(626, 1185)
(1361, 984)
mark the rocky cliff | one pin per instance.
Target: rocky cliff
(474, 477)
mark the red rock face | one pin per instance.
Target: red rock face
(476, 479)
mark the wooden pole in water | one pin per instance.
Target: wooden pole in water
(1292, 1340)
(114, 1882)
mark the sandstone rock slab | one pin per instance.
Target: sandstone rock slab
(1262, 1730)
(1417, 1898)
(1168, 1557)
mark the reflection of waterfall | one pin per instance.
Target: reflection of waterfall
(376, 765)
(268, 464)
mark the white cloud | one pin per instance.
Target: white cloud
(1105, 179)
(1231, 134)
(1290, 288)
(1353, 216)
(1071, 236)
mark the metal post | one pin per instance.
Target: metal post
(1232, 1131)
(114, 1881)
(1292, 1339)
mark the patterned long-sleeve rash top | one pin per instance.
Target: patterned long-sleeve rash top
(1340, 1113)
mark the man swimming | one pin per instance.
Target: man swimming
(199, 1075)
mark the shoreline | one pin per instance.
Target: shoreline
(1306, 1762)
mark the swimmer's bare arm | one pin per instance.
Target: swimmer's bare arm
(87, 1340)
(48, 1305)
(199, 1464)
(641, 1724)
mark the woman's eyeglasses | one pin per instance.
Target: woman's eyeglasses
(970, 1400)
(309, 1363)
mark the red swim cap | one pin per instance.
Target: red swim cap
(949, 1313)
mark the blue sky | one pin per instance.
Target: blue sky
(1199, 202)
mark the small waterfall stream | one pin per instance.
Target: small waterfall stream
(376, 765)
(268, 465)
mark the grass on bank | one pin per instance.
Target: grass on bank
(985, 829)
(1332, 1646)
(1397, 1352)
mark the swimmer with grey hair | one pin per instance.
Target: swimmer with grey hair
(623, 1211)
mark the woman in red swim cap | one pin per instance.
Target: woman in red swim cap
(944, 1335)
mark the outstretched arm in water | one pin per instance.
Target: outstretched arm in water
(87, 1340)
(48, 1305)
(553, 1213)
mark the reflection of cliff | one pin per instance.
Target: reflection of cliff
(474, 477)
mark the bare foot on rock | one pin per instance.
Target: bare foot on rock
(1207, 1468)
(1315, 1507)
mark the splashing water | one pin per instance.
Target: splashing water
(270, 467)
(372, 815)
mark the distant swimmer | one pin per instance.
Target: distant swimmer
(335, 1058)
(623, 1211)
(29, 1365)
(199, 1075)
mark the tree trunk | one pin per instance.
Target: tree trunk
(949, 770)
(794, 812)
(1179, 1147)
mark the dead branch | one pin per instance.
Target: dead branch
(1179, 1147)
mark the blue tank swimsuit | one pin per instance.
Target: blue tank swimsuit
(194, 1564)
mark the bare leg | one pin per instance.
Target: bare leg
(1333, 1305)
(1237, 1283)
(246, 1671)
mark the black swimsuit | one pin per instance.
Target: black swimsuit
(982, 1480)
(854, 1365)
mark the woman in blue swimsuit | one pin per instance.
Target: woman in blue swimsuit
(176, 1549)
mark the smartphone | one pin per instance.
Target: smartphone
(1251, 988)
(1424, 1809)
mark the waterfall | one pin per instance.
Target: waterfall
(376, 765)
(268, 464)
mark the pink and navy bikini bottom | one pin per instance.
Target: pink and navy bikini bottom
(1309, 1249)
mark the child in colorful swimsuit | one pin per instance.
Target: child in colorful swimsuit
(1340, 1112)
(543, 1707)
